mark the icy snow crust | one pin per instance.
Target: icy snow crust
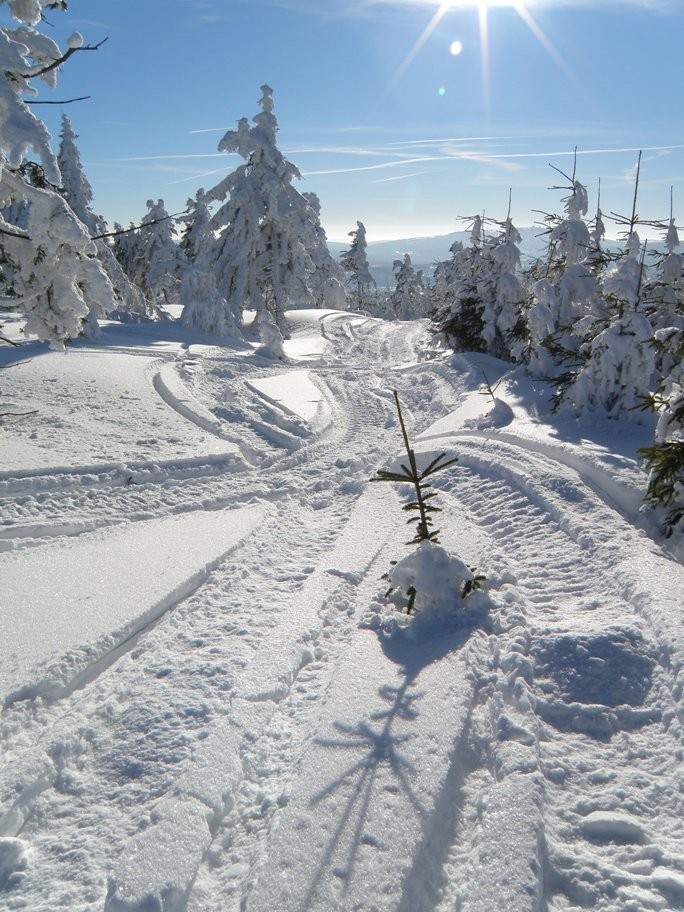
(205, 707)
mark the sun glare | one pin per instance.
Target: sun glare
(483, 8)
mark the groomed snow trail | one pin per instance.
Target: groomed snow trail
(259, 747)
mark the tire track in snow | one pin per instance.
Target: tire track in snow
(537, 727)
(78, 497)
(105, 739)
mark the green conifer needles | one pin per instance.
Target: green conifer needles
(666, 482)
(421, 505)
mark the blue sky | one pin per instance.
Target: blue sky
(405, 115)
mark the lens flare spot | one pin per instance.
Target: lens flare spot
(441, 91)
(455, 48)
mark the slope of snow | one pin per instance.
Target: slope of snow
(100, 590)
(240, 721)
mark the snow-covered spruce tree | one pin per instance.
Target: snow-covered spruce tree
(663, 294)
(498, 287)
(56, 278)
(154, 261)
(355, 263)
(129, 301)
(260, 255)
(664, 302)
(124, 245)
(203, 307)
(619, 371)
(665, 458)
(76, 188)
(620, 360)
(196, 234)
(565, 303)
(327, 279)
(456, 305)
(408, 300)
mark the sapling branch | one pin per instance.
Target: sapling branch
(411, 474)
(490, 390)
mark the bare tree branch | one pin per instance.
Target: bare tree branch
(65, 56)
(66, 101)
(99, 237)
(24, 237)
(9, 342)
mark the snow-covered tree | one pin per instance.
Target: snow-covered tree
(129, 301)
(355, 263)
(196, 235)
(456, 304)
(408, 300)
(327, 279)
(62, 288)
(204, 308)
(504, 329)
(663, 294)
(153, 259)
(618, 372)
(665, 458)
(478, 299)
(56, 278)
(260, 255)
(76, 188)
(564, 297)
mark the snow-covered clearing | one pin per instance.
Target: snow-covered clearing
(205, 706)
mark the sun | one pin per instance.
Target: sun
(482, 9)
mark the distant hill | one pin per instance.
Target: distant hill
(426, 251)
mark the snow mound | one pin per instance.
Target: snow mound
(437, 581)
(436, 576)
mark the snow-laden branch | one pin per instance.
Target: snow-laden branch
(42, 69)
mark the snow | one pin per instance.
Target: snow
(208, 703)
(293, 392)
(86, 607)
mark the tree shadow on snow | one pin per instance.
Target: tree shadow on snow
(381, 746)
(420, 644)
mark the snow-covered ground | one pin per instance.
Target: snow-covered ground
(206, 707)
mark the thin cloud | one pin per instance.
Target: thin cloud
(398, 177)
(378, 167)
(343, 150)
(139, 158)
(470, 155)
(198, 176)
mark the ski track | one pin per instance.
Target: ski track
(549, 726)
